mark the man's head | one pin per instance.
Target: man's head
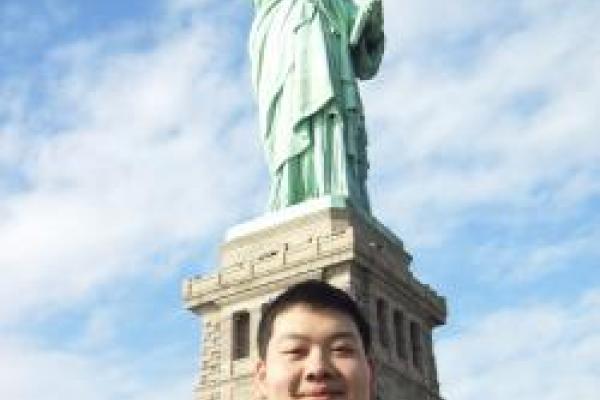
(314, 344)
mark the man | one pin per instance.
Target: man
(314, 344)
(306, 56)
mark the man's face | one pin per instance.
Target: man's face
(315, 355)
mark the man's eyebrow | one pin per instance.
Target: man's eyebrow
(335, 336)
(292, 336)
(343, 335)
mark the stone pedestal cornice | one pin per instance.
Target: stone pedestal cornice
(312, 242)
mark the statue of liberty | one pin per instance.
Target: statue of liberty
(306, 57)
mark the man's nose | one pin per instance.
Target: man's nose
(318, 366)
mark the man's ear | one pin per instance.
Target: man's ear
(260, 375)
(372, 378)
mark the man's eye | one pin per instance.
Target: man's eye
(343, 350)
(295, 351)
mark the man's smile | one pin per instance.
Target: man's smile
(321, 393)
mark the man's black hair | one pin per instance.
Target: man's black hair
(319, 296)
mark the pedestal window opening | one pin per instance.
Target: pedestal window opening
(241, 335)
(382, 323)
(417, 345)
(400, 336)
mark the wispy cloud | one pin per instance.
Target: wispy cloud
(533, 351)
(129, 173)
(520, 261)
(516, 116)
(29, 371)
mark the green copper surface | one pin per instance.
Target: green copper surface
(306, 57)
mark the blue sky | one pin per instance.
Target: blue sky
(128, 145)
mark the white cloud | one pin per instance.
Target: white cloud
(100, 330)
(182, 6)
(549, 351)
(28, 371)
(412, 20)
(147, 160)
(524, 261)
(457, 126)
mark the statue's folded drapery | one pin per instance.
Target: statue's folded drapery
(304, 73)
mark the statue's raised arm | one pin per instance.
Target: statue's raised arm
(306, 56)
(367, 39)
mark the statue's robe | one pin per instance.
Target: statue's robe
(304, 73)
